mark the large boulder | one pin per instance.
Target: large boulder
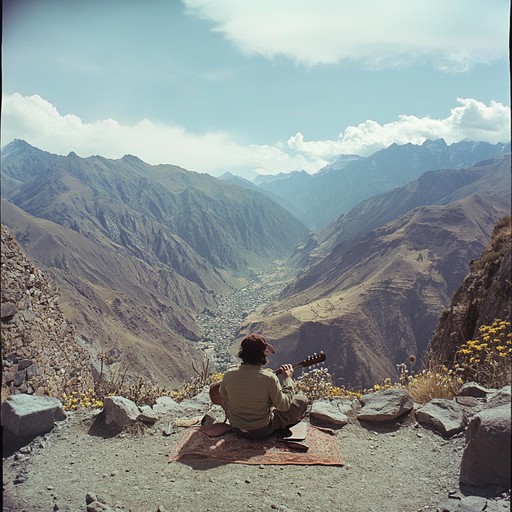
(30, 416)
(486, 457)
(120, 411)
(385, 405)
(165, 405)
(442, 415)
(328, 412)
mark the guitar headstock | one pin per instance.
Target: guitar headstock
(313, 359)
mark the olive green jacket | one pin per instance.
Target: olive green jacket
(250, 394)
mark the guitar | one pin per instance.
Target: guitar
(310, 360)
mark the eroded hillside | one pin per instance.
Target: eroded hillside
(374, 302)
(485, 295)
(139, 251)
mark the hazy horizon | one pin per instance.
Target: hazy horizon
(252, 88)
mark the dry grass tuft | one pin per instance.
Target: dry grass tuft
(136, 429)
(437, 382)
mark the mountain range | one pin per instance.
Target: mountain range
(372, 285)
(321, 198)
(139, 251)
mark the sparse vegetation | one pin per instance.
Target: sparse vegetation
(436, 382)
(317, 384)
(500, 242)
(486, 359)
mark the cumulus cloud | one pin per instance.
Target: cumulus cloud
(37, 121)
(453, 35)
(472, 119)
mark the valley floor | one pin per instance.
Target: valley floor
(220, 326)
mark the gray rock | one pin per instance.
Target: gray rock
(19, 377)
(486, 457)
(385, 405)
(30, 416)
(474, 389)
(345, 405)
(472, 504)
(8, 310)
(120, 411)
(200, 402)
(328, 412)
(468, 401)
(147, 415)
(21, 477)
(90, 497)
(442, 415)
(165, 405)
(498, 506)
(31, 371)
(27, 315)
(96, 506)
(24, 363)
(499, 397)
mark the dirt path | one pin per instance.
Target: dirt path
(396, 469)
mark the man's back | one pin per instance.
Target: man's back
(250, 392)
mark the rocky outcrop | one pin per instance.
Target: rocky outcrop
(486, 459)
(485, 295)
(40, 354)
(393, 442)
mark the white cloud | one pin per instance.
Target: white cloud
(35, 120)
(472, 119)
(454, 35)
(39, 123)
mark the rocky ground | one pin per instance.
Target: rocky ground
(398, 467)
(388, 468)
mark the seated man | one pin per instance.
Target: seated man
(255, 402)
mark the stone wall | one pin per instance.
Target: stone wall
(40, 354)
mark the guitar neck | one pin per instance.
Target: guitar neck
(298, 364)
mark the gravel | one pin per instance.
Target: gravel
(393, 468)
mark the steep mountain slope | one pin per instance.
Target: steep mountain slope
(491, 177)
(138, 315)
(149, 211)
(323, 197)
(138, 250)
(374, 302)
(484, 296)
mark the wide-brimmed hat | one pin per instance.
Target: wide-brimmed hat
(257, 343)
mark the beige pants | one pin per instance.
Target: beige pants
(280, 419)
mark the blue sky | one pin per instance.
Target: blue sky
(252, 87)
